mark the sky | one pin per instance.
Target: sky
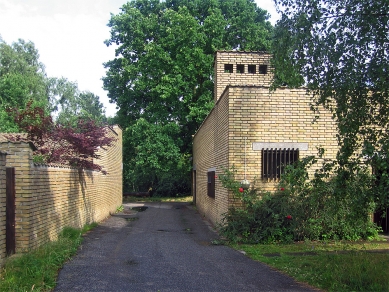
(70, 35)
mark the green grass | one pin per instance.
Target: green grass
(157, 199)
(37, 270)
(335, 267)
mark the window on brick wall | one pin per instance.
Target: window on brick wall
(239, 68)
(211, 183)
(251, 69)
(275, 160)
(262, 69)
(228, 68)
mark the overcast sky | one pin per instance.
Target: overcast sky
(69, 36)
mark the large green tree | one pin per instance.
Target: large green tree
(339, 50)
(22, 78)
(162, 72)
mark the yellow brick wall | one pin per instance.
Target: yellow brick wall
(49, 198)
(223, 79)
(111, 185)
(283, 116)
(210, 151)
(20, 157)
(2, 207)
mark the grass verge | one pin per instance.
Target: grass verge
(37, 270)
(361, 266)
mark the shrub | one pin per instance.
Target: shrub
(334, 205)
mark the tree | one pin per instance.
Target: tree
(155, 160)
(339, 50)
(22, 78)
(69, 105)
(162, 72)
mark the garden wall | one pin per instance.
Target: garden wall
(48, 198)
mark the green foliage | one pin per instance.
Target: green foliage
(331, 206)
(154, 159)
(119, 209)
(37, 270)
(338, 49)
(163, 74)
(22, 78)
(69, 105)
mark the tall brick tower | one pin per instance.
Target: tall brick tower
(241, 68)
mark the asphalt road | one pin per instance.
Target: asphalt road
(167, 247)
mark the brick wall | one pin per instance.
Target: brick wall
(49, 198)
(2, 207)
(111, 185)
(210, 151)
(243, 60)
(20, 157)
(283, 117)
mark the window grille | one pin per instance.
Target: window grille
(211, 183)
(275, 160)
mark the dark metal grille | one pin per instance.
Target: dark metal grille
(275, 160)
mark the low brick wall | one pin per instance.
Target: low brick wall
(2, 207)
(48, 198)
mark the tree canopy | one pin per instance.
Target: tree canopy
(339, 50)
(69, 105)
(162, 73)
(23, 79)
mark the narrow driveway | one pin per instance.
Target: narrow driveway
(168, 247)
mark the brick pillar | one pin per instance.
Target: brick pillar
(20, 157)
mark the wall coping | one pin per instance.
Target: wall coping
(257, 146)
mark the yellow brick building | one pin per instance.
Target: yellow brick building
(253, 129)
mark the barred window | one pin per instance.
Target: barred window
(275, 160)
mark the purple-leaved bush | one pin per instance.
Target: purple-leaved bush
(60, 144)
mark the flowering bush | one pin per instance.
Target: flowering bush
(329, 206)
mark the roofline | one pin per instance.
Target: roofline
(238, 52)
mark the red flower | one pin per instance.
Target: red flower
(282, 189)
(241, 190)
(215, 176)
(289, 217)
